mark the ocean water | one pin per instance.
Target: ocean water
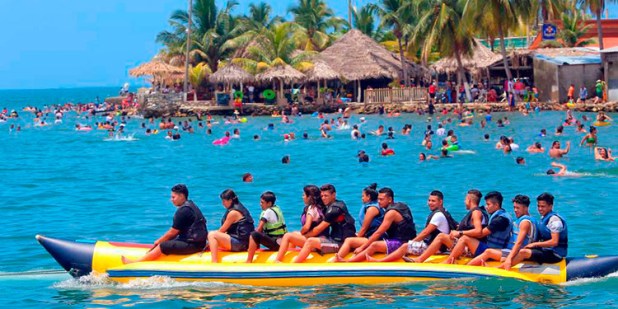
(77, 185)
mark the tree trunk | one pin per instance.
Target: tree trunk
(505, 61)
(403, 66)
(599, 29)
(461, 77)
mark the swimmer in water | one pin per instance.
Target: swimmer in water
(536, 148)
(603, 154)
(379, 131)
(557, 152)
(520, 161)
(247, 177)
(561, 172)
(591, 138)
(387, 151)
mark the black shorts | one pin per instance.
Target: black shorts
(180, 247)
(544, 256)
(432, 95)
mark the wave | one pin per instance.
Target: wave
(117, 138)
(586, 281)
(96, 281)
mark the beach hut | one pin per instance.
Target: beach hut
(556, 68)
(231, 74)
(284, 73)
(358, 57)
(477, 64)
(157, 69)
(321, 71)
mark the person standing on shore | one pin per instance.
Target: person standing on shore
(583, 94)
(188, 232)
(571, 94)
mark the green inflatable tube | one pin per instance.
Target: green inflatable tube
(238, 94)
(452, 148)
(269, 94)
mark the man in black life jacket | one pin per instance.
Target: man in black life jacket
(471, 225)
(439, 222)
(337, 217)
(398, 225)
(188, 232)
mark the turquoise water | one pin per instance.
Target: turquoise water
(75, 185)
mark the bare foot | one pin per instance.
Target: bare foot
(338, 258)
(125, 260)
(370, 258)
(450, 260)
(276, 261)
(410, 260)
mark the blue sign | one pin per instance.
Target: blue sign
(549, 32)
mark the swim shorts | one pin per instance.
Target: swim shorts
(237, 245)
(416, 247)
(480, 249)
(181, 247)
(329, 245)
(392, 245)
(544, 256)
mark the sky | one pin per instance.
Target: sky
(83, 43)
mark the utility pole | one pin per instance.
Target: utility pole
(188, 31)
(350, 13)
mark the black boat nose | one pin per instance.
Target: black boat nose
(74, 257)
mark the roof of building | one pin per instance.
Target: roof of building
(569, 56)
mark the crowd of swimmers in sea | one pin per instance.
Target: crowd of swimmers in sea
(387, 226)
(114, 119)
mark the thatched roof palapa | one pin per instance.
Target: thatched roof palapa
(482, 57)
(357, 57)
(284, 73)
(321, 71)
(155, 67)
(231, 74)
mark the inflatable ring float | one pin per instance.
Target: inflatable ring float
(269, 94)
(601, 123)
(452, 148)
(238, 94)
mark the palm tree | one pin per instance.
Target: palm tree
(398, 15)
(210, 30)
(442, 26)
(251, 27)
(597, 7)
(506, 14)
(573, 29)
(275, 46)
(315, 19)
(364, 20)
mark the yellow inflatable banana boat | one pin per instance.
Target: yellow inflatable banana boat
(80, 259)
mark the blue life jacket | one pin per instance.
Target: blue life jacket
(500, 239)
(532, 235)
(377, 220)
(545, 234)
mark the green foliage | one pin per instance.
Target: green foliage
(274, 46)
(315, 21)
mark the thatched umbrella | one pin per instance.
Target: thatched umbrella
(156, 69)
(321, 71)
(284, 73)
(482, 57)
(358, 57)
(231, 74)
